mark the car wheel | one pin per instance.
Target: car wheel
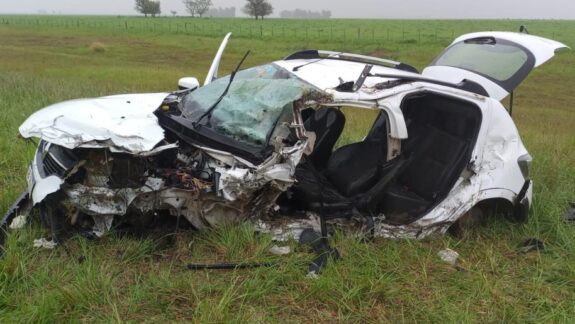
(474, 218)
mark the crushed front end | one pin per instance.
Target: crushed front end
(90, 188)
(232, 166)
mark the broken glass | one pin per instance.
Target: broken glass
(252, 109)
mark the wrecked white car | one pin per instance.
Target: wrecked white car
(258, 146)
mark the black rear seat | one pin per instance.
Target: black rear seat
(433, 166)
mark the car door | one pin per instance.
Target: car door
(499, 61)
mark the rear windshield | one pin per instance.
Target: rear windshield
(497, 60)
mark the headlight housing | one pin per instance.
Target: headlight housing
(524, 162)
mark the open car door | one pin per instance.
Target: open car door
(499, 61)
(213, 72)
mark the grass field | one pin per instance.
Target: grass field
(44, 60)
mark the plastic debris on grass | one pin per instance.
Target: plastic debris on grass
(280, 250)
(45, 244)
(18, 222)
(570, 214)
(449, 256)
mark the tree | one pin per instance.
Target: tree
(148, 7)
(141, 6)
(199, 7)
(154, 8)
(174, 13)
(258, 8)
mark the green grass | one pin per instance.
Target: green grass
(44, 60)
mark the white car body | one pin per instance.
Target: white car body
(127, 124)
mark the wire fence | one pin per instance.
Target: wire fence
(323, 31)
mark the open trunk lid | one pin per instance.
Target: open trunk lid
(499, 61)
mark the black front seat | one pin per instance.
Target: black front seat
(327, 123)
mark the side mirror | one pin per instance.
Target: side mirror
(188, 83)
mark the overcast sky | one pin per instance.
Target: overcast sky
(521, 9)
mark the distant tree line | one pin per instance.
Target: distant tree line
(222, 12)
(306, 14)
(254, 8)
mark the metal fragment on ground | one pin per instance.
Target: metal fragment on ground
(530, 245)
(570, 214)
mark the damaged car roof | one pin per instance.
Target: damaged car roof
(328, 74)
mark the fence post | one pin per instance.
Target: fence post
(331, 33)
(261, 31)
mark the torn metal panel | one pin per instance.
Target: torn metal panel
(100, 200)
(158, 150)
(242, 182)
(43, 187)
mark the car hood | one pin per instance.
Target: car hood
(123, 123)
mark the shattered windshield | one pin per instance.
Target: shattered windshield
(257, 100)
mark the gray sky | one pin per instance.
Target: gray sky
(522, 9)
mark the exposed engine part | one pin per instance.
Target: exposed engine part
(184, 178)
(98, 188)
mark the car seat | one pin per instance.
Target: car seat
(434, 165)
(327, 123)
